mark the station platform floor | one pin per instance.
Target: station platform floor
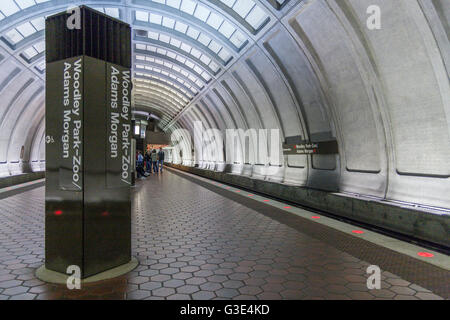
(199, 239)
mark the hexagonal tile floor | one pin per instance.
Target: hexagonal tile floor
(193, 243)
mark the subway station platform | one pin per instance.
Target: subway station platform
(199, 239)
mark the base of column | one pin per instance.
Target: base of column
(46, 275)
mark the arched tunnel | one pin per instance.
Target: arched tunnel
(286, 124)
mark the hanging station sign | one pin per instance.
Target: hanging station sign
(324, 147)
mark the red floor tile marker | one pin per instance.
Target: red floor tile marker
(425, 254)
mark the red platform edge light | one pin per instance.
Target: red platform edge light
(58, 212)
(425, 254)
(358, 231)
(286, 207)
(266, 200)
(250, 195)
(315, 217)
(238, 190)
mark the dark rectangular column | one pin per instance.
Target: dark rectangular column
(88, 154)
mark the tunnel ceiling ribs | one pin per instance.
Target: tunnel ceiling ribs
(180, 46)
(310, 68)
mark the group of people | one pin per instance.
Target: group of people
(152, 161)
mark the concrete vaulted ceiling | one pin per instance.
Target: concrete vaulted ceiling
(180, 47)
(312, 69)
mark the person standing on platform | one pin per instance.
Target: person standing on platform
(160, 159)
(148, 162)
(155, 161)
(140, 166)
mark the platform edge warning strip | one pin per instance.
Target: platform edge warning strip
(414, 270)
